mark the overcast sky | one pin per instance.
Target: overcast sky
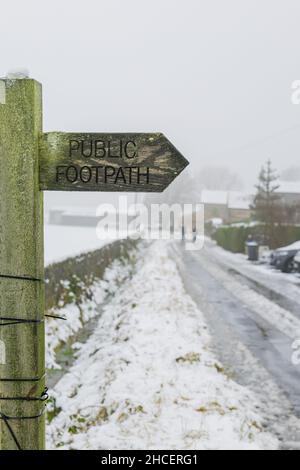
(213, 75)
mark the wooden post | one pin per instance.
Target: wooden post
(21, 257)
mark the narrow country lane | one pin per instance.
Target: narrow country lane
(147, 377)
(252, 335)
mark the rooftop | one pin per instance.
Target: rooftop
(238, 200)
(230, 199)
(214, 197)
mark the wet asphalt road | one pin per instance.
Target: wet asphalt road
(255, 353)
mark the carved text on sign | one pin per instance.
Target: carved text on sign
(132, 162)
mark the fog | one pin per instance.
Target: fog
(215, 76)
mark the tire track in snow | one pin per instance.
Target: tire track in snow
(277, 316)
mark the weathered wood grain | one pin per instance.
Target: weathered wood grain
(21, 254)
(108, 162)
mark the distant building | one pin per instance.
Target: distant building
(239, 206)
(215, 204)
(230, 206)
(289, 193)
(81, 217)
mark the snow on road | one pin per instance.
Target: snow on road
(245, 337)
(147, 378)
(282, 319)
(284, 284)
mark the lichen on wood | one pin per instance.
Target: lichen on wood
(21, 254)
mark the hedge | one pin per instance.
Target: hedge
(233, 238)
(81, 271)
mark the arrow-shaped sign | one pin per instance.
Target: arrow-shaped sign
(108, 162)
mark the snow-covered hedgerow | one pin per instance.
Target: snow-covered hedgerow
(147, 379)
(80, 309)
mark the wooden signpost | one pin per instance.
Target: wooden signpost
(31, 162)
(108, 162)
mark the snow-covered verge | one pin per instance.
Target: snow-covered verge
(76, 314)
(147, 379)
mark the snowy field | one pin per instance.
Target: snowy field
(62, 242)
(147, 378)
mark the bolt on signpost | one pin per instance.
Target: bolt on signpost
(31, 162)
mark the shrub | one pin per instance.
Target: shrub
(69, 281)
(233, 238)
